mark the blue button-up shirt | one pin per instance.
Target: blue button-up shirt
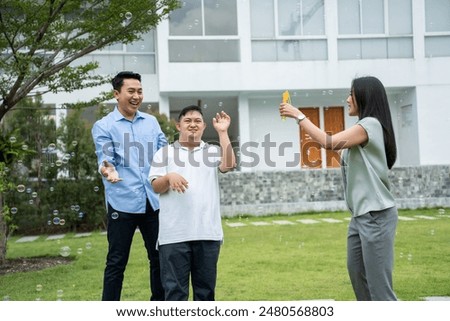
(129, 146)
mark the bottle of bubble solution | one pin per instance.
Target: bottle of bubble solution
(286, 98)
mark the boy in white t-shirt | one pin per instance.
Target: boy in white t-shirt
(185, 174)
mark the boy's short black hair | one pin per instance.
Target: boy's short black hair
(189, 108)
(117, 81)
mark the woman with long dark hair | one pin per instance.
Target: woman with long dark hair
(369, 152)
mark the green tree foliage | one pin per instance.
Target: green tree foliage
(39, 41)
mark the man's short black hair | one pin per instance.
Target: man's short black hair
(189, 108)
(117, 81)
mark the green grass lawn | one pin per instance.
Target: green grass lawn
(262, 263)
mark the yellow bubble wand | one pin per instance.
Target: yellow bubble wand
(286, 98)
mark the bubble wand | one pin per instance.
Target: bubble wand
(286, 98)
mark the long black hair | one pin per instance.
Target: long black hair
(370, 97)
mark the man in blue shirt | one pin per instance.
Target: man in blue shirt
(125, 141)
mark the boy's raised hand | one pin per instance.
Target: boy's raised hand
(221, 122)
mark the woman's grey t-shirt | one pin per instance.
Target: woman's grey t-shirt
(365, 172)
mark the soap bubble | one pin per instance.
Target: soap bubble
(64, 251)
(114, 215)
(21, 188)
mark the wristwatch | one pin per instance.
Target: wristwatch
(300, 118)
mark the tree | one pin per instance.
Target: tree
(40, 40)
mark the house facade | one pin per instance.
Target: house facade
(240, 55)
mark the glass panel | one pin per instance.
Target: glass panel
(313, 17)
(348, 16)
(373, 48)
(187, 20)
(294, 50)
(264, 51)
(288, 50)
(400, 48)
(289, 17)
(147, 44)
(437, 15)
(143, 64)
(314, 50)
(204, 51)
(349, 49)
(400, 17)
(261, 16)
(372, 16)
(437, 46)
(220, 17)
(109, 64)
(113, 47)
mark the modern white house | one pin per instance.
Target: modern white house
(241, 55)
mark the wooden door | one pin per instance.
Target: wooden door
(334, 122)
(310, 150)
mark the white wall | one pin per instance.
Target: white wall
(433, 111)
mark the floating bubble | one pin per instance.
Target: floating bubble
(34, 194)
(24, 147)
(29, 190)
(80, 215)
(21, 188)
(88, 245)
(76, 208)
(52, 188)
(62, 222)
(56, 220)
(220, 104)
(128, 15)
(55, 212)
(12, 139)
(64, 251)
(59, 295)
(114, 215)
(31, 202)
(74, 143)
(205, 106)
(51, 146)
(58, 162)
(79, 251)
(39, 287)
(13, 210)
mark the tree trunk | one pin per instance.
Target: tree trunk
(3, 233)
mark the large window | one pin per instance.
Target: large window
(437, 29)
(288, 30)
(204, 31)
(371, 29)
(138, 56)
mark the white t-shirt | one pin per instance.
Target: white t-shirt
(195, 214)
